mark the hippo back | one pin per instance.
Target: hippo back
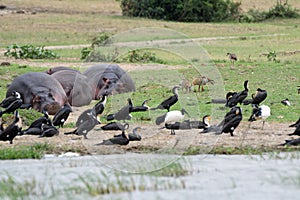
(76, 86)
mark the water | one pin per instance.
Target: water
(210, 176)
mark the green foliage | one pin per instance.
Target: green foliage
(182, 10)
(29, 51)
(85, 52)
(101, 40)
(21, 152)
(271, 56)
(281, 10)
(138, 56)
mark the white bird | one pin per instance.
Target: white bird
(172, 117)
(260, 113)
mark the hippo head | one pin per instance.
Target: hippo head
(45, 101)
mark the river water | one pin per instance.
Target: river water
(269, 176)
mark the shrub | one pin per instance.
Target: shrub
(182, 10)
(29, 51)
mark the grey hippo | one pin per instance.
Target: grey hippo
(76, 86)
(40, 90)
(108, 79)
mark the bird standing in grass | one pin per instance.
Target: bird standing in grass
(286, 102)
(232, 57)
(262, 112)
(259, 96)
(233, 98)
(166, 104)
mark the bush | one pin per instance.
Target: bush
(29, 51)
(182, 10)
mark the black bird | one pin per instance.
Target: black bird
(86, 126)
(62, 115)
(35, 127)
(297, 131)
(48, 131)
(204, 124)
(142, 108)
(178, 126)
(17, 103)
(233, 98)
(8, 100)
(12, 130)
(121, 139)
(134, 136)
(257, 98)
(84, 116)
(99, 107)
(166, 104)
(291, 142)
(296, 124)
(298, 89)
(231, 120)
(123, 113)
(115, 126)
(286, 102)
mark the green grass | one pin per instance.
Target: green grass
(35, 151)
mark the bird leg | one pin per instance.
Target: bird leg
(231, 133)
(172, 132)
(202, 88)
(262, 128)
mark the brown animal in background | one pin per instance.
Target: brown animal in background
(201, 81)
(185, 84)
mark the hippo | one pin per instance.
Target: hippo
(76, 87)
(108, 79)
(40, 90)
(59, 68)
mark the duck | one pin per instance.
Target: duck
(258, 97)
(262, 112)
(166, 104)
(85, 126)
(231, 120)
(233, 98)
(62, 115)
(121, 139)
(115, 126)
(12, 130)
(123, 113)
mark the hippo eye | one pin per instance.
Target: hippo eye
(50, 95)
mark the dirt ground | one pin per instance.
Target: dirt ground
(155, 139)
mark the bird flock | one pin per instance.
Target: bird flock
(172, 119)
